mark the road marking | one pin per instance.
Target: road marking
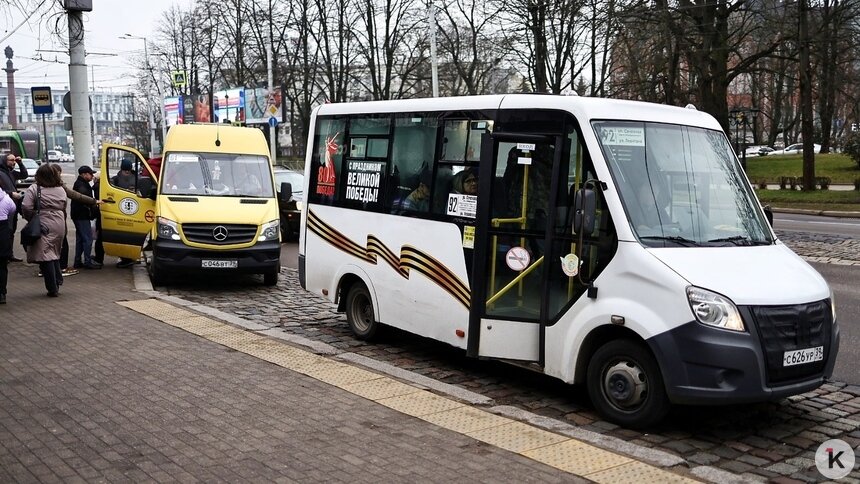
(558, 451)
(815, 222)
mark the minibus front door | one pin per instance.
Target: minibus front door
(127, 215)
(515, 209)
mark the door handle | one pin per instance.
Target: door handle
(108, 200)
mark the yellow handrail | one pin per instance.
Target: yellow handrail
(517, 280)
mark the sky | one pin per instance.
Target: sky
(109, 59)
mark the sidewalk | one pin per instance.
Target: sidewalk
(92, 388)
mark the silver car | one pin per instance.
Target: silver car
(32, 165)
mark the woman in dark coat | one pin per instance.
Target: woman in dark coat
(52, 213)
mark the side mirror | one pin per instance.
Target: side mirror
(768, 214)
(286, 192)
(585, 211)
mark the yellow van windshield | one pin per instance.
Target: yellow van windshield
(217, 174)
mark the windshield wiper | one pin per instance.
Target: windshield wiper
(673, 238)
(740, 240)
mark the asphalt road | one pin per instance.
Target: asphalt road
(849, 227)
(843, 281)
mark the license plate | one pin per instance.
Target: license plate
(799, 357)
(220, 264)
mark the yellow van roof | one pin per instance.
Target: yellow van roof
(201, 138)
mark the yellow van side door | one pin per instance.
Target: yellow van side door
(128, 212)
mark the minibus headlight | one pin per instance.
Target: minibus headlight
(714, 310)
(270, 231)
(168, 229)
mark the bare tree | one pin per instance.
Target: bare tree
(337, 44)
(383, 44)
(472, 45)
(545, 36)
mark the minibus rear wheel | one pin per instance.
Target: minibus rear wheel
(625, 384)
(359, 312)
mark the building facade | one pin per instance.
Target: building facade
(113, 114)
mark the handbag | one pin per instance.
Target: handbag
(32, 232)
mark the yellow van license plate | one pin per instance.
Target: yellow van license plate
(220, 264)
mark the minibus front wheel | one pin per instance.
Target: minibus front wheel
(625, 384)
(359, 312)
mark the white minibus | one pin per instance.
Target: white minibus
(612, 243)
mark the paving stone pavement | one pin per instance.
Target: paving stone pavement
(93, 392)
(775, 440)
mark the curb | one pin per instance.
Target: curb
(824, 213)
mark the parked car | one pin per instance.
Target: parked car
(291, 208)
(753, 150)
(796, 148)
(765, 150)
(32, 166)
(66, 157)
(54, 156)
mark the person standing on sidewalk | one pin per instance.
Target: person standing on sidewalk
(7, 213)
(51, 196)
(82, 216)
(99, 248)
(8, 176)
(125, 179)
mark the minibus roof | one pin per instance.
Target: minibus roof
(201, 138)
(584, 108)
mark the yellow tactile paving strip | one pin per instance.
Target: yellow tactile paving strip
(552, 449)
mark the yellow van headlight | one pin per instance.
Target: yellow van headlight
(270, 231)
(167, 229)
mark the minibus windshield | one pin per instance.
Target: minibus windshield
(217, 174)
(681, 186)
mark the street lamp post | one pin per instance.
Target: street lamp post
(151, 127)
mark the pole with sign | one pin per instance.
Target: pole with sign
(43, 104)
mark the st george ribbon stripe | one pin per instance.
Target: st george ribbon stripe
(410, 258)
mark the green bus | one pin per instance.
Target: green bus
(25, 144)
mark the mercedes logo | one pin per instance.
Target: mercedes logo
(220, 233)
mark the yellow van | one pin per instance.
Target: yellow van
(210, 207)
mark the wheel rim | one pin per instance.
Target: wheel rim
(625, 385)
(362, 312)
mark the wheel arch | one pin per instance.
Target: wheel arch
(345, 280)
(596, 338)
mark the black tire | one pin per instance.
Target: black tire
(626, 386)
(156, 273)
(286, 233)
(270, 279)
(359, 312)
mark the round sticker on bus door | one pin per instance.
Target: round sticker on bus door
(518, 258)
(128, 206)
(570, 265)
(149, 216)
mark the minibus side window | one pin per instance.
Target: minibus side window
(411, 168)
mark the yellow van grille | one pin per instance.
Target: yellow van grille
(219, 234)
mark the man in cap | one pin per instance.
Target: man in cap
(82, 216)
